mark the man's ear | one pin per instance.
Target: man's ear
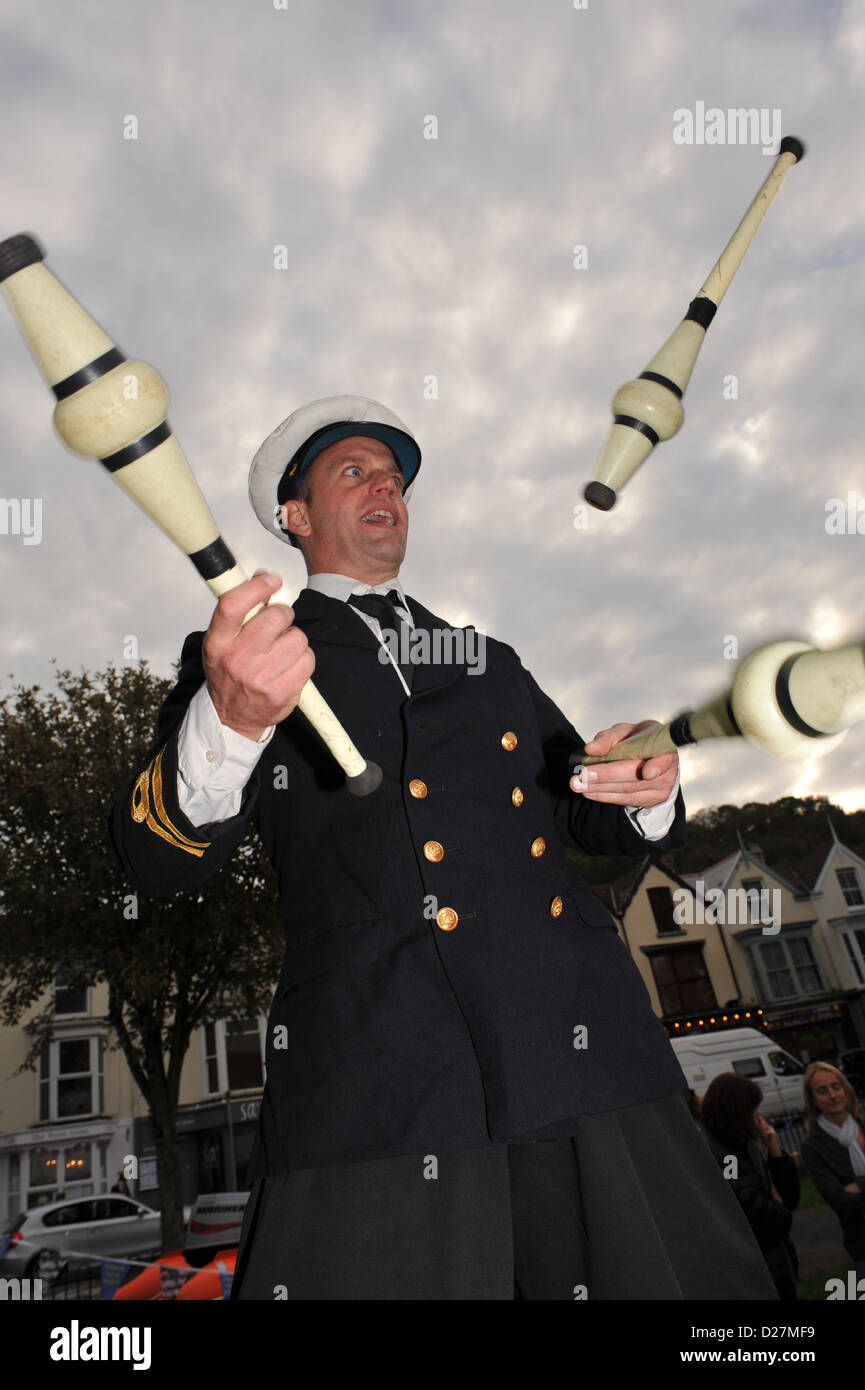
(294, 517)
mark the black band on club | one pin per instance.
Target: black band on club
(213, 559)
(638, 426)
(785, 704)
(141, 446)
(701, 310)
(662, 381)
(680, 729)
(92, 372)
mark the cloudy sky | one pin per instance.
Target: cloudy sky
(452, 258)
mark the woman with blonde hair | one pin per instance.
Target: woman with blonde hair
(834, 1152)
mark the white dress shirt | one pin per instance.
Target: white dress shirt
(214, 763)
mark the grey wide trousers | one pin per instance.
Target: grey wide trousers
(631, 1206)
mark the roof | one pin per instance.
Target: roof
(810, 869)
(719, 875)
(828, 857)
(625, 888)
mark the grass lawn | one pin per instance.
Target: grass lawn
(812, 1287)
(808, 1194)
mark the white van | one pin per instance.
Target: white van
(703, 1056)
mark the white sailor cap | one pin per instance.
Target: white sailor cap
(288, 451)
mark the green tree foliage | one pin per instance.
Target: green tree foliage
(787, 833)
(169, 964)
(792, 835)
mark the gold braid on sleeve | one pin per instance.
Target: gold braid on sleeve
(149, 786)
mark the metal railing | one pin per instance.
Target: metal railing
(79, 1286)
(792, 1130)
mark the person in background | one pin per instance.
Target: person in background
(694, 1104)
(764, 1179)
(834, 1152)
(121, 1185)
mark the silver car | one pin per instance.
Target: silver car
(88, 1227)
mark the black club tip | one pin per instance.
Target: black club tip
(366, 781)
(600, 496)
(18, 251)
(790, 145)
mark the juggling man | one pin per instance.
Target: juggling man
(468, 1095)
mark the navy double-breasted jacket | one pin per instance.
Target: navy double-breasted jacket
(449, 979)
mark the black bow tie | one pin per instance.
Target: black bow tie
(384, 610)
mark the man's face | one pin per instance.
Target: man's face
(355, 521)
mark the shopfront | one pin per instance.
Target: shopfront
(216, 1141)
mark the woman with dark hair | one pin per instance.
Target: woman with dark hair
(766, 1184)
(834, 1152)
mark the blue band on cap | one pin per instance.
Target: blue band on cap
(401, 445)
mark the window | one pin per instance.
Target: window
(75, 1214)
(114, 1209)
(784, 1065)
(756, 906)
(76, 1164)
(211, 1057)
(74, 1089)
(69, 998)
(243, 1055)
(65, 1170)
(753, 885)
(661, 903)
(849, 884)
(13, 1190)
(789, 968)
(70, 1078)
(683, 982)
(749, 1066)
(233, 1055)
(778, 974)
(43, 1167)
(44, 1109)
(854, 942)
(807, 974)
(148, 1177)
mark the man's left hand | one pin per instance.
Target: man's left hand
(630, 781)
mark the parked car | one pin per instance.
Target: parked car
(703, 1056)
(90, 1226)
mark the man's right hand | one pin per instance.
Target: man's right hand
(255, 673)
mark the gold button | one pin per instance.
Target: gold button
(446, 918)
(557, 907)
(509, 742)
(538, 847)
(517, 796)
(433, 851)
(417, 788)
